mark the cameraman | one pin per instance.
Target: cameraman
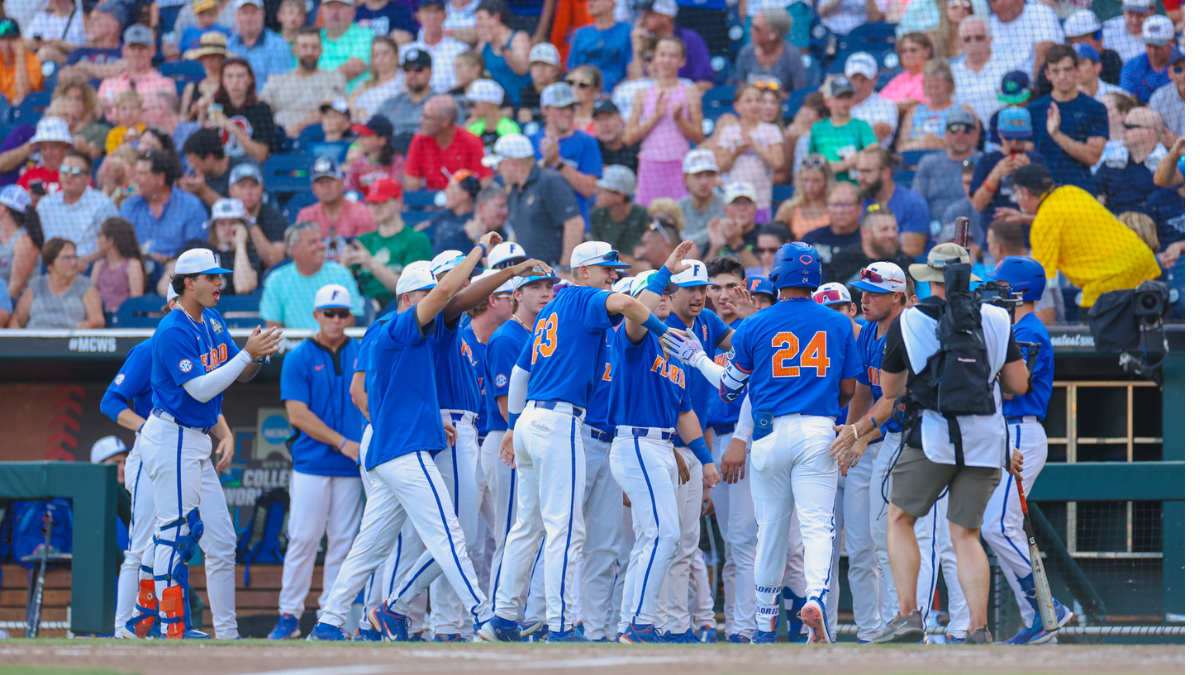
(1073, 233)
(964, 452)
(1003, 524)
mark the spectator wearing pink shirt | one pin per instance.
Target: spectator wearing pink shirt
(335, 215)
(907, 89)
(138, 51)
(374, 158)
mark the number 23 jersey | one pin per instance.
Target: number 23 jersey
(797, 353)
(566, 345)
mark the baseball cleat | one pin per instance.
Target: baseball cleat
(763, 637)
(324, 632)
(980, 636)
(500, 630)
(392, 627)
(368, 635)
(449, 637)
(737, 639)
(287, 628)
(531, 627)
(418, 636)
(903, 629)
(797, 631)
(1023, 636)
(687, 637)
(1040, 636)
(813, 616)
(566, 636)
(952, 640)
(708, 635)
(643, 634)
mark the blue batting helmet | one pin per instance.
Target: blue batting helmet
(759, 285)
(1022, 274)
(797, 265)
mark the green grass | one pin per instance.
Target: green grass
(58, 670)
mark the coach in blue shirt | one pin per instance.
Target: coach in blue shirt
(267, 52)
(163, 216)
(1069, 128)
(560, 146)
(1145, 73)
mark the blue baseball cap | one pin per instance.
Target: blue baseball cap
(1086, 51)
(1014, 88)
(760, 285)
(1014, 123)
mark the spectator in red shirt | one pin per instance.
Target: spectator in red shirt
(442, 148)
(374, 158)
(52, 140)
(333, 213)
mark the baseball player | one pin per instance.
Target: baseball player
(556, 374)
(194, 361)
(1003, 525)
(326, 492)
(504, 347)
(650, 405)
(112, 450)
(799, 361)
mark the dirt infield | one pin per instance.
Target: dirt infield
(299, 658)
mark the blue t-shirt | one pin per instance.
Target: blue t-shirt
(610, 50)
(96, 55)
(1165, 206)
(402, 397)
(1141, 80)
(721, 413)
(599, 416)
(320, 379)
(912, 212)
(711, 331)
(185, 349)
(1083, 117)
(390, 17)
(579, 150)
(797, 353)
(566, 345)
(1037, 400)
(190, 38)
(504, 349)
(1126, 188)
(476, 353)
(456, 386)
(1002, 198)
(649, 387)
(870, 352)
(363, 362)
(130, 389)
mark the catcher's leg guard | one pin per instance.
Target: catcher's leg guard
(147, 607)
(172, 606)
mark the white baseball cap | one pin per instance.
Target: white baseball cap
(618, 178)
(832, 293)
(1158, 31)
(545, 53)
(15, 197)
(227, 208)
(523, 281)
(416, 276)
(1082, 22)
(699, 160)
(107, 447)
(640, 282)
(862, 63)
(738, 190)
(624, 285)
(696, 274)
(507, 252)
(667, 7)
(198, 261)
(485, 91)
(596, 253)
(445, 261)
(510, 146)
(172, 294)
(506, 287)
(332, 296)
(558, 95)
(52, 130)
(880, 277)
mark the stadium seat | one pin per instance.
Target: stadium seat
(422, 199)
(910, 158)
(781, 193)
(241, 311)
(140, 312)
(905, 177)
(31, 109)
(391, 307)
(718, 100)
(297, 202)
(412, 218)
(795, 101)
(182, 71)
(876, 38)
(287, 173)
(812, 70)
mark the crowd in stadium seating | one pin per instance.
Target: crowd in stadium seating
(337, 142)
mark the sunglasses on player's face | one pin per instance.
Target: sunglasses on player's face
(337, 313)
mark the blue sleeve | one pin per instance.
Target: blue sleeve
(111, 404)
(294, 383)
(133, 379)
(742, 356)
(500, 357)
(1099, 125)
(1128, 78)
(595, 312)
(852, 366)
(918, 215)
(624, 348)
(590, 162)
(403, 330)
(364, 351)
(525, 358)
(685, 401)
(177, 350)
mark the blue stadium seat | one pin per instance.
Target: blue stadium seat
(297, 202)
(412, 218)
(241, 311)
(781, 193)
(876, 38)
(718, 99)
(287, 173)
(910, 158)
(140, 312)
(421, 199)
(368, 316)
(812, 69)
(182, 71)
(795, 100)
(31, 109)
(905, 177)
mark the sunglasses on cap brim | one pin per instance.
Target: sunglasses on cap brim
(874, 277)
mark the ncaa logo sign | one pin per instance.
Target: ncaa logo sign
(185, 366)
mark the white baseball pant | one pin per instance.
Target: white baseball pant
(1003, 522)
(329, 506)
(792, 472)
(138, 563)
(551, 469)
(794, 591)
(854, 529)
(179, 462)
(700, 595)
(406, 551)
(937, 552)
(624, 556)
(734, 505)
(459, 466)
(885, 453)
(644, 466)
(601, 505)
(485, 543)
(688, 497)
(502, 482)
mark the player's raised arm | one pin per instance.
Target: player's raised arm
(438, 298)
(481, 288)
(652, 294)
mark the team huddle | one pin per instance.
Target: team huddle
(536, 454)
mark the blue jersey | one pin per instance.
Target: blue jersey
(870, 352)
(649, 388)
(320, 379)
(456, 385)
(1036, 400)
(721, 413)
(185, 349)
(476, 352)
(711, 331)
(797, 352)
(598, 414)
(402, 397)
(502, 353)
(363, 362)
(566, 345)
(130, 389)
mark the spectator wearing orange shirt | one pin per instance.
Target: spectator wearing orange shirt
(20, 69)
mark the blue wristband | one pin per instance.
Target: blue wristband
(700, 449)
(658, 282)
(512, 419)
(655, 325)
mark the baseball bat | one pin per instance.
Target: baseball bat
(962, 228)
(1040, 584)
(33, 614)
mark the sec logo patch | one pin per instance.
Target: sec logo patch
(120, 379)
(501, 380)
(185, 366)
